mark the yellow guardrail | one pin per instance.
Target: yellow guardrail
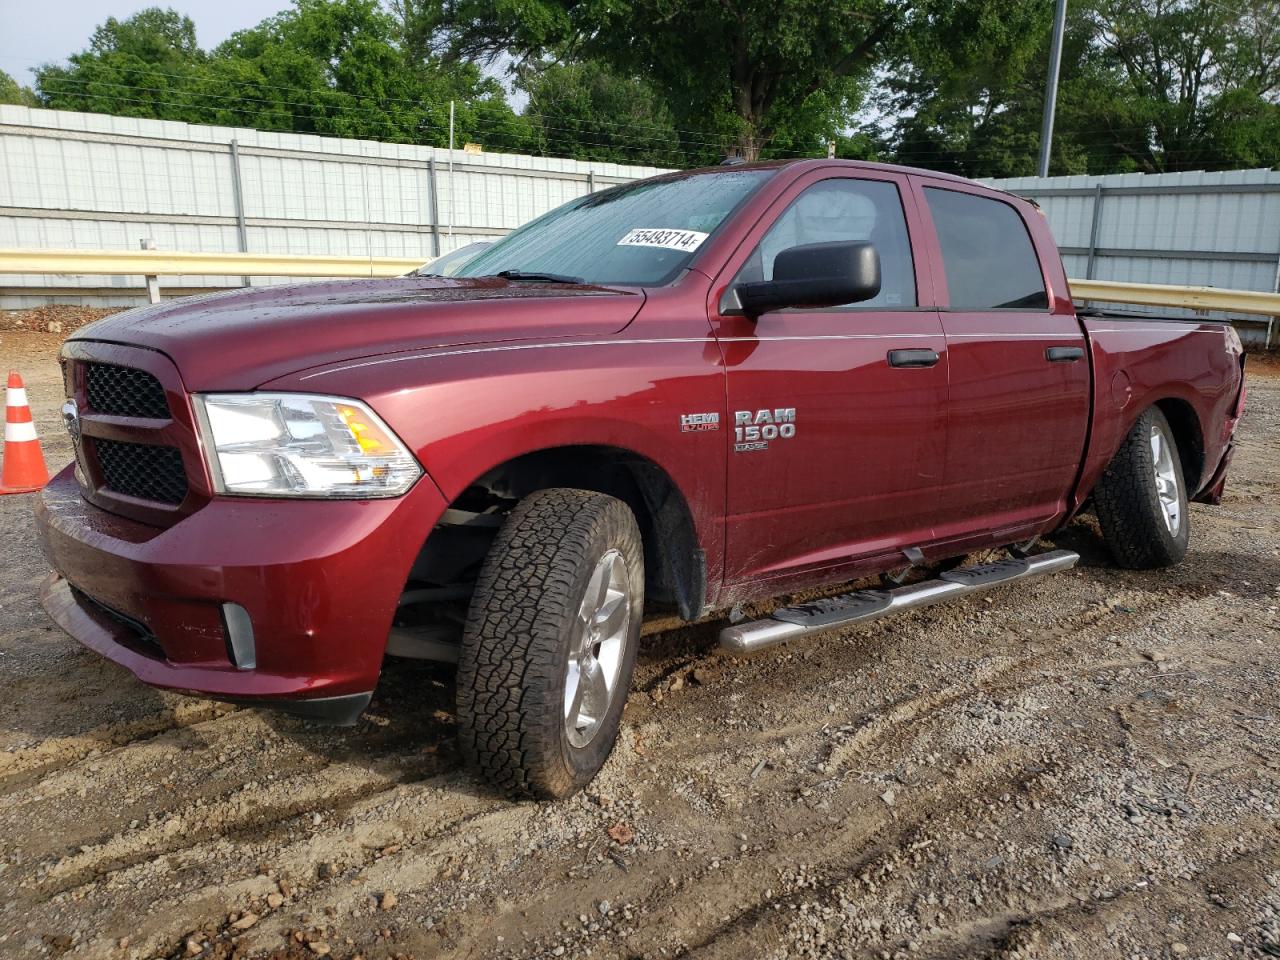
(153, 263)
(168, 263)
(1188, 298)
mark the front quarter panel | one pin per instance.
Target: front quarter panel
(466, 410)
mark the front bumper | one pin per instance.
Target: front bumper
(318, 579)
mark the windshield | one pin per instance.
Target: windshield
(449, 264)
(639, 233)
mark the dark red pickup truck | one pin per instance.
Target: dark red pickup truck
(692, 391)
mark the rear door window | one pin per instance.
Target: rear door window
(846, 210)
(987, 254)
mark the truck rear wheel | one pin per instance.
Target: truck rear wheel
(1141, 499)
(550, 642)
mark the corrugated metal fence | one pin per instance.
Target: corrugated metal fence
(1211, 229)
(79, 180)
(90, 181)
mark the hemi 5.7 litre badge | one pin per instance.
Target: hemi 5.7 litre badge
(753, 429)
(699, 422)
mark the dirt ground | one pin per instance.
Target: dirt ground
(1085, 766)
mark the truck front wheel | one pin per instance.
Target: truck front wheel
(550, 642)
(1141, 499)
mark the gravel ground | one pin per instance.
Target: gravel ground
(1082, 767)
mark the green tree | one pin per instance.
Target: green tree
(1147, 85)
(143, 66)
(964, 88)
(152, 35)
(13, 92)
(333, 67)
(586, 111)
(746, 72)
(1179, 84)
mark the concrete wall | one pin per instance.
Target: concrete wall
(80, 180)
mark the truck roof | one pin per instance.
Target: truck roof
(806, 163)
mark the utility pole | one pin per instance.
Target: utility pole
(1051, 91)
(450, 170)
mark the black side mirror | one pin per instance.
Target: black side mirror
(815, 275)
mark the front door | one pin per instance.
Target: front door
(837, 416)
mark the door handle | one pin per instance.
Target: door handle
(913, 358)
(1064, 354)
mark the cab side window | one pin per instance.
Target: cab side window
(987, 253)
(865, 211)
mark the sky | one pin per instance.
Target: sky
(51, 30)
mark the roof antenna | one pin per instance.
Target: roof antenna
(736, 160)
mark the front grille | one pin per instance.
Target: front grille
(124, 392)
(141, 470)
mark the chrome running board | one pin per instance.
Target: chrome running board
(863, 606)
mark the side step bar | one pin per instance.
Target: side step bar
(863, 606)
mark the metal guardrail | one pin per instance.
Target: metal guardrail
(154, 263)
(1187, 298)
(168, 263)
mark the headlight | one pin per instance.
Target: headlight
(302, 445)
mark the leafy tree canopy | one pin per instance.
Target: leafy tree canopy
(747, 73)
(13, 92)
(1146, 85)
(587, 111)
(334, 67)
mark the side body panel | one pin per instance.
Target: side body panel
(1142, 361)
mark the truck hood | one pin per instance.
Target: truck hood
(243, 338)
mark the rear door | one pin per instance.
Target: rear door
(1018, 404)
(835, 453)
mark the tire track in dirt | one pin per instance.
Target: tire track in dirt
(835, 857)
(999, 675)
(986, 929)
(894, 725)
(1078, 920)
(20, 766)
(251, 808)
(334, 868)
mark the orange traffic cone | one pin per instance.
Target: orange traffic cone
(24, 468)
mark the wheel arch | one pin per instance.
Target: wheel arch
(1188, 435)
(675, 564)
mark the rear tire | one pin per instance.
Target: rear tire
(550, 643)
(1141, 499)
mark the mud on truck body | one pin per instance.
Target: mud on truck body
(689, 392)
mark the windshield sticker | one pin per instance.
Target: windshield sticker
(667, 239)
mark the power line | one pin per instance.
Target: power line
(360, 120)
(439, 103)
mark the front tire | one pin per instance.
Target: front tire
(1141, 499)
(550, 643)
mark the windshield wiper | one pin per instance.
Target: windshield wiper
(538, 277)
